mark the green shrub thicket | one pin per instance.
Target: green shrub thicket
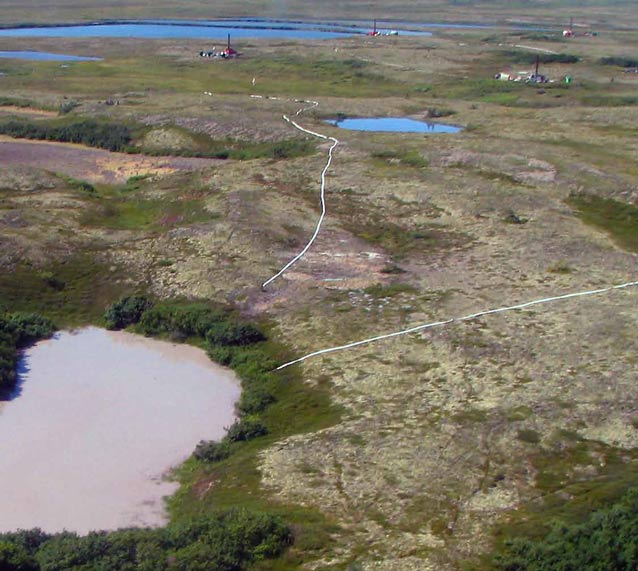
(620, 61)
(607, 541)
(18, 330)
(110, 136)
(224, 541)
(519, 56)
(127, 311)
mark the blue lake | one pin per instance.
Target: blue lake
(198, 29)
(394, 125)
(45, 56)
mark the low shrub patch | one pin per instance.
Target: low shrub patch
(127, 311)
(110, 136)
(18, 330)
(620, 61)
(519, 56)
(232, 540)
(607, 540)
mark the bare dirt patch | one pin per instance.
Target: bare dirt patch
(94, 165)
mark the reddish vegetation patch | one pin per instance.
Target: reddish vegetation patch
(338, 261)
(93, 165)
(203, 486)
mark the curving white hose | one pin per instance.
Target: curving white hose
(417, 327)
(335, 142)
(447, 321)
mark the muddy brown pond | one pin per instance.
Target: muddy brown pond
(97, 421)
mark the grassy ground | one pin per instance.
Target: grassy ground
(426, 451)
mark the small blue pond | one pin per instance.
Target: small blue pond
(394, 125)
(45, 56)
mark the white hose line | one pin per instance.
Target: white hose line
(536, 49)
(447, 321)
(335, 142)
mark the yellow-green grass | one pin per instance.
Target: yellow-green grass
(167, 74)
(618, 219)
(72, 292)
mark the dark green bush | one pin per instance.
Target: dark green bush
(188, 320)
(254, 400)
(229, 333)
(16, 331)
(291, 148)
(528, 435)
(246, 428)
(113, 137)
(8, 359)
(17, 550)
(221, 355)
(251, 359)
(28, 327)
(620, 61)
(211, 451)
(84, 186)
(607, 541)
(127, 311)
(225, 541)
(519, 56)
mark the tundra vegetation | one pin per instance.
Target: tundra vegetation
(229, 541)
(500, 443)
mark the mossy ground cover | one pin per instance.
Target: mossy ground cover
(73, 291)
(618, 219)
(133, 213)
